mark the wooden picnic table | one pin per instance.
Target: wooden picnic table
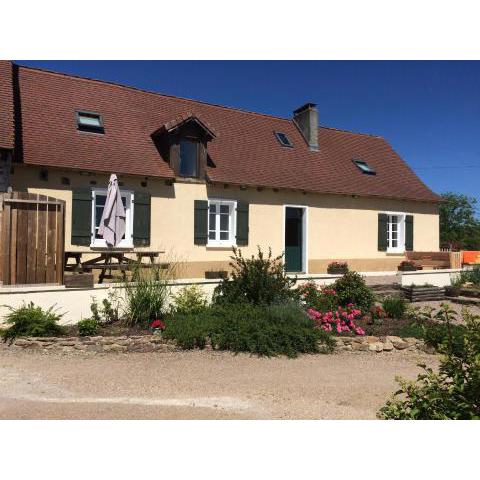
(104, 260)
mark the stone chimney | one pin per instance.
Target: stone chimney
(306, 118)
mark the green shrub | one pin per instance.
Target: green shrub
(263, 330)
(351, 288)
(108, 311)
(412, 330)
(87, 327)
(189, 299)
(30, 320)
(472, 276)
(453, 392)
(394, 307)
(257, 280)
(430, 326)
(146, 295)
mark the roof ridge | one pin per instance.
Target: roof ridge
(150, 92)
(350, 131)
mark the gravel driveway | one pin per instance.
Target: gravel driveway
(199, 385)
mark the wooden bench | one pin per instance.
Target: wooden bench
(430, 260)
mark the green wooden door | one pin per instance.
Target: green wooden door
(293, 239)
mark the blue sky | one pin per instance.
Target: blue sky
(429, 111)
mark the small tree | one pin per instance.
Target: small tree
(458, 225)
(259, 280)
(452, 393)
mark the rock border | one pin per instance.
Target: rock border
(388, 343)
(155, 343)
(97, 344)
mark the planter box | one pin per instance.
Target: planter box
(422, 294)
(470, 292)
(216, 275)
(407, 268)
(79, 280)
(337, 271)
(452, 291)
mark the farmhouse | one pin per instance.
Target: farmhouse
(197, 179)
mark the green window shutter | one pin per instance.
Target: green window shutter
(242, 224)
(200, 227)
(382, 232)
(409, 232)
(81, 216)
(141, 219)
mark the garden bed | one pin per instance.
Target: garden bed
(388, 326)
(114, 329)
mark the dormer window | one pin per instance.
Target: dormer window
(188, 158)
(182, 142)
(90, 122)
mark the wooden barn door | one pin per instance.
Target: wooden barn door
(31, 239)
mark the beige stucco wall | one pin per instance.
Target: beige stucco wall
(339, 227)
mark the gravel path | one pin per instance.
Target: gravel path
(199, 385)
(455, 306)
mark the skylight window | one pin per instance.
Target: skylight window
(364, 167)
(283, 139)
(90, 122)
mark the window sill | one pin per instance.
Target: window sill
(396, 254)
(118, 247)
(220, 247)
(189, 180)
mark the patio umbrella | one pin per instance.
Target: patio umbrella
(112, 224)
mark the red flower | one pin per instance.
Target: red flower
(158, 324)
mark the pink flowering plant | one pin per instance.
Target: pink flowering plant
(322, 298)
(323, 307)
(342, 320)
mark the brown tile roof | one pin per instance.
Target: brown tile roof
(245, 152)
(6, 105)
(187, 117)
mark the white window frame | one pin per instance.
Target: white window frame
(232, 226)
(400, 248)
(127, 242)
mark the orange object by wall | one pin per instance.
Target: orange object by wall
(470, 257)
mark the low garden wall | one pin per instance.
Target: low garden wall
(382, 344)
(155, 343)
(437, 278)
(97, 344)
(74, 303)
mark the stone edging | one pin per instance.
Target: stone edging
(97, 344)
(155, 343)
(382, 344)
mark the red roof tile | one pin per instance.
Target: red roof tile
(245, 152)
(187, 117)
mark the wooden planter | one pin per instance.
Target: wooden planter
(79, 280)
(337, 271)
(407, 268)
(470, 292)
(452, 291)
(421, 294)
(212, 275)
